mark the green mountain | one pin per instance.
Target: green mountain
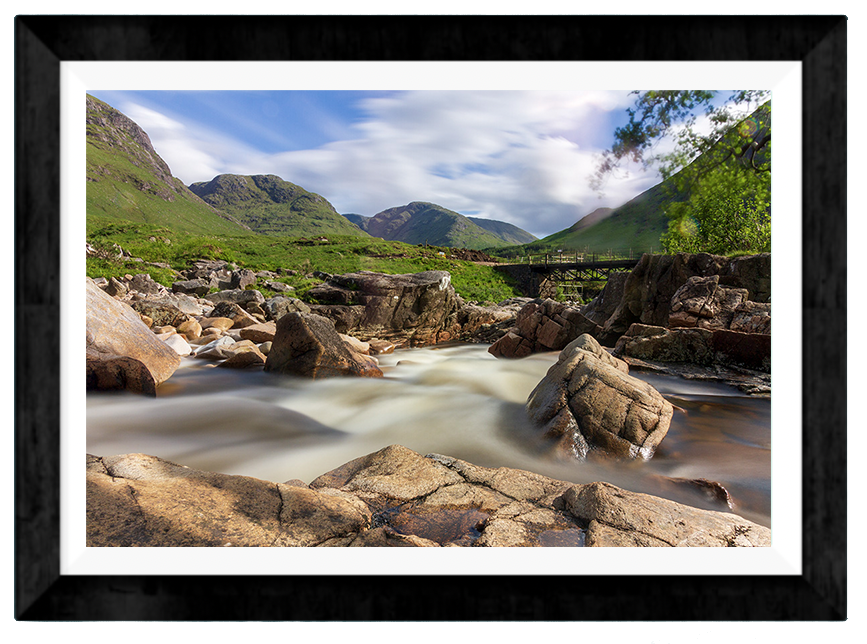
(271, 206)
(427, 223)
(507, 232)
(127, 179)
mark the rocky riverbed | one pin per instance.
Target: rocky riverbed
(588, 406)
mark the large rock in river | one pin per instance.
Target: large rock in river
(115, 329)
(415, 309)
(392, 497)
(308, 345)
(587, 402)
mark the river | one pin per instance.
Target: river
(456, 400)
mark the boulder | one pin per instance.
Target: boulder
(379, 347)
(139, 500)
(244, 360)
(619, 518)
(178, 344)
(192, 287)
(394, 497)
(603, 305)
(280, 287)
(242, 278)
(543, 325)
(416, 309)
(116, 288)
(143, 283)
(240, 317)
(486, 323)
(752, 317)
(107, 372)
(355, 344)
(262, 332)
(114, 328)
(221, 324)
(215, 350)
(308, 345)
(702, 302)
(587, 403)
(236, 296)
(162, 313)
(278, 306)
(192, 329)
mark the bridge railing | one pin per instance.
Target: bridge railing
(578, 256)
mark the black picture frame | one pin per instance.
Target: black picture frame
(42, 42)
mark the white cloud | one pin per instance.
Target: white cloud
(519, 157)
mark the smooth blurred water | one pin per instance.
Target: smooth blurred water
(454, 400)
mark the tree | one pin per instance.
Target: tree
(719, 170)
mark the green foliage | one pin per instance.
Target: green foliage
(719, 180)
(726, 214)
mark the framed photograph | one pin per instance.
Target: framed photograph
(810, 51)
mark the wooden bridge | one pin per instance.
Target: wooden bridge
(574, 273)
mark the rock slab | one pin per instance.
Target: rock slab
(394, 497)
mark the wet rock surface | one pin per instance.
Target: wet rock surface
(392, 498)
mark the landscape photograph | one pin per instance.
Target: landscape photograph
(428, 318)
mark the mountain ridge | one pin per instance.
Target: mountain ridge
(127, 179)
(420, 222)
(272, 206)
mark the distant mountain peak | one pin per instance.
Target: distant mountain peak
(420, 222)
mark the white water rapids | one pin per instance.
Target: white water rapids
(455, 400)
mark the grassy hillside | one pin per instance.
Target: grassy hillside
(637, 224)
(270, 205)
(128, 180)
(340, 254)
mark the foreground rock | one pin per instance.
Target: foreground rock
(393, 497)
(543, 325)
(308, 345)
(416, 309)
(587, 402)
(114, 330)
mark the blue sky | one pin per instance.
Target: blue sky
(523, 157)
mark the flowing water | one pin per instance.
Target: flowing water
(455, 400)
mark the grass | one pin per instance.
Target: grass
(340, 254)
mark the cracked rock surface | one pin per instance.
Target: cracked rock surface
(394, 497)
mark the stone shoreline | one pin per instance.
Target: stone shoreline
(393, 497)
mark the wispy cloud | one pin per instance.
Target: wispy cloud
(519, 157)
